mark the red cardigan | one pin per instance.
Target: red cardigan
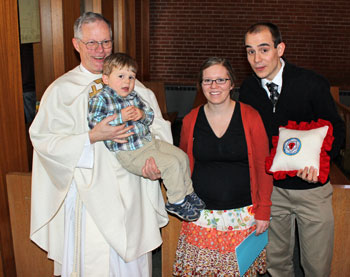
(258, 150)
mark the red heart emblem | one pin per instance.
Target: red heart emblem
(291, 145)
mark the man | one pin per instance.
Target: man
(301, 95)
(90, 215)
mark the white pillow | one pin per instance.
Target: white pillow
(296, 149)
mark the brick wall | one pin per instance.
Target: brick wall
(185, 32)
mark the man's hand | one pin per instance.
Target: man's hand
(104, 131)
(150, 170)
(131, 113)
(308, 175)
(261, 226)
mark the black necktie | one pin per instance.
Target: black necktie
(273, 88)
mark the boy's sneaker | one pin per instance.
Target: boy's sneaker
(184, 210)
(195, 201)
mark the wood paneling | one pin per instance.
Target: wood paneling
(93, 6)
(6, 247)
(119, 26)
(108, 13)
(130, 21)
(88, 5)
(43, 51)
(170, 236)
(158, 89)
(71, 11)
(19, 194)
(130, 28)
(1, 267)
(97, 6)
(57, 38)
(13, 150)
(341, 210)
(49, 54)
(341, 253)
(142, 38)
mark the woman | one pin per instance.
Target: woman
(227, 146)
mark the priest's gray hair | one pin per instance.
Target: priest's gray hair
(89, 17)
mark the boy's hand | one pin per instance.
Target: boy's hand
(131, 113)
(137, 114)
(127, 113)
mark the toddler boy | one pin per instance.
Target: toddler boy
(118, 97)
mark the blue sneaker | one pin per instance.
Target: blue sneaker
(195, 201)
(184, 210)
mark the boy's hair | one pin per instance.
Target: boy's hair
(118, 60)
(260, 26)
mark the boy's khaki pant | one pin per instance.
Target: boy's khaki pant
(172, 162)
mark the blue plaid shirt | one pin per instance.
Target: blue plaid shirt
(108, 102)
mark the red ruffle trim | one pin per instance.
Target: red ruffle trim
(324, 157)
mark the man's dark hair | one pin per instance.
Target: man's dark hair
(260, 26)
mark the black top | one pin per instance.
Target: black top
(221, 170)
(305, 96)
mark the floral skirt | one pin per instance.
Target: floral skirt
(207, 246)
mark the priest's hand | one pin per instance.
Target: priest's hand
(104, 131)
(150, 170)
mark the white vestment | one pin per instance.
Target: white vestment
(127, 210)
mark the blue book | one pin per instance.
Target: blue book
(249, 249)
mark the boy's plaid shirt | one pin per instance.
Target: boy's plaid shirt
(108, 102)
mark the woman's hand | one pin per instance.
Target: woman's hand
(150, 170)
(261, 226)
